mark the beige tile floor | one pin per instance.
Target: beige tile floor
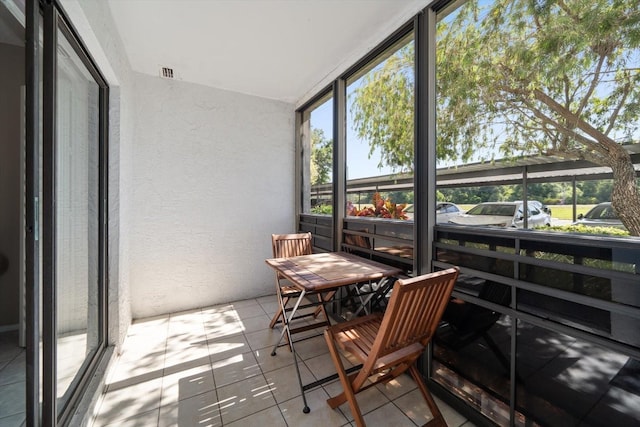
(212, 367)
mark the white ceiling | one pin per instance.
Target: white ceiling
(278, 49)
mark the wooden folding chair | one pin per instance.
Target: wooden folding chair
(390, 344)
(286, 246)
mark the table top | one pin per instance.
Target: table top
(324, 271)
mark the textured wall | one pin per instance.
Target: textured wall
(212, 179)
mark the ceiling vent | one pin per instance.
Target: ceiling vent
(166, 73)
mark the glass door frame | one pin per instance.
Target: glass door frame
(40, 245)
(32, 209)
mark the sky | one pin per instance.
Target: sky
(359, 165)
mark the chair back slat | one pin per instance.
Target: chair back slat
(287, 246)
(414, 311)
(290, 245)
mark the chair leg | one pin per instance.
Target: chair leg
(276, 317)
(279, 318)
(322, 300)
(319, 309)
(438, 419)
(341, 398)
(344, 380)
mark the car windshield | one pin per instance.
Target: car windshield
(498, 210)
(602, 212)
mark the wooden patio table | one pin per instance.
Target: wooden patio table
(322, 273)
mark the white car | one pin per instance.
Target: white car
(444, 212)
(539, 205)
(503, 214)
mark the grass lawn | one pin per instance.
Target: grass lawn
(566, 211)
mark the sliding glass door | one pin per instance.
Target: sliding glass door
(77, 214)
(66, 122)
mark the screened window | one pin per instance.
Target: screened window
(317, 152)
(539, 83)
(380, 134)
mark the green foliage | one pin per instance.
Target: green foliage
(556, 74)
(321, 157)
(382, 109)
(588, 192)
(475, 195)
(610, 231)
(322, 209)
(592, 192)
(400, 196)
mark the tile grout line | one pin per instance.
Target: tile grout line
(213, 375)
(277, 404)
(164, 363)
(264, 376)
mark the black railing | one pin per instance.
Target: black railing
(544, 326)
(321, 227)
(386, 240)
(579, 281)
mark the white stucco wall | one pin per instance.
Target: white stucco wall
(199, 179)
(213, 177)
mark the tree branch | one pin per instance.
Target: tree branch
(592, 87)
(591, 146)
(625, 94)
(566, 9)
(608, 143)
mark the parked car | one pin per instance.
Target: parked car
(444, 212)
(539, 205)
(601, 215)
(503, 214)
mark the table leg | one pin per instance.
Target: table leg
(285, 329)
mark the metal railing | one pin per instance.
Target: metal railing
(583, 284)
(536, 296)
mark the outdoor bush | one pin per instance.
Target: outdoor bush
(381, 209)
(552, 201)
(322, 209)
(584, 200)
(580, 228)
